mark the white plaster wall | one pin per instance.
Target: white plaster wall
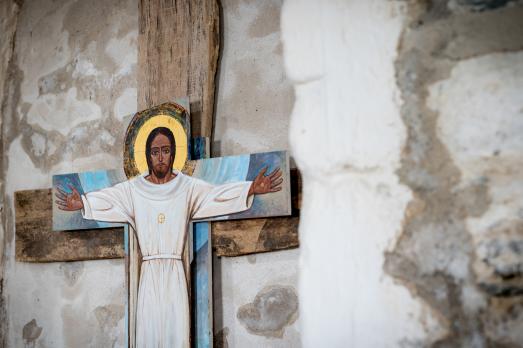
(254, 103)
(73, 76)
(347, 137)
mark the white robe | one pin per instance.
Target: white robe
(160, 214)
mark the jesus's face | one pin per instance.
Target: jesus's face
(161, 156)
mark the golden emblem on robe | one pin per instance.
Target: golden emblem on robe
(161, 218)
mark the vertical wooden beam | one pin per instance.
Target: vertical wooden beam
(178, 49)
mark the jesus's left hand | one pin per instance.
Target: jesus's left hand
(266, 183)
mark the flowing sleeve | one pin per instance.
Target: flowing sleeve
(209, 200)
(112, 204)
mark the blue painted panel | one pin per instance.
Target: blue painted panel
(82, 182)
(223, 170)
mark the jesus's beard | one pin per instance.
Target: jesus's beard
(161, 171)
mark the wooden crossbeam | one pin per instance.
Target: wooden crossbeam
(36, 241)
(242, 237)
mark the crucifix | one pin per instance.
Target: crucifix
(190, 31)
(158, 200)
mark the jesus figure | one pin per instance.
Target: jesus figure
(159, 206)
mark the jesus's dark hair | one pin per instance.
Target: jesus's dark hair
(164, 131)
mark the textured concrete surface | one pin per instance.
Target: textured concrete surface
(254, 102)
(413, 167)
(71, 79)
(254, 97)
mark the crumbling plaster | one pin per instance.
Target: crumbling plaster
(71, 79)
(407, 129)
(347, 136)
(460, 76)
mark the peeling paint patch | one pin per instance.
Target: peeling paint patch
(126, 103)
(72, 271)
(31, 332)
(62, 112)
(272, 310)
(108, 316)
(267, 21)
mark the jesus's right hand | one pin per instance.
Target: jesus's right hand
(68, 201)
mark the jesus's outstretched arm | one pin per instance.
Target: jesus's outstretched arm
(208, 200)
(112, 204)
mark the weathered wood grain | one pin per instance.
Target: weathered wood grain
(241, 237)
(35, 240)
(178, 49)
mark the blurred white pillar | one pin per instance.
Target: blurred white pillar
(347, 136)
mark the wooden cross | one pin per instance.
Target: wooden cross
(28, 208)
(178, 54)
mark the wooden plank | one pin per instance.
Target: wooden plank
(241, 237)
(178, 49)
(35, 240)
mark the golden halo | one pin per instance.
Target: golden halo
(166, 121)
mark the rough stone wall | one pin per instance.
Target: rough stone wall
(8, 17)
(460, 72)
(71, 80)
(256, 303)
(407, 129)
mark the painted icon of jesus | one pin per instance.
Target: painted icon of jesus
(159, 206)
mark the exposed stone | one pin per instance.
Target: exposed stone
(499, 260)
(272, 310)
(459, 160)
